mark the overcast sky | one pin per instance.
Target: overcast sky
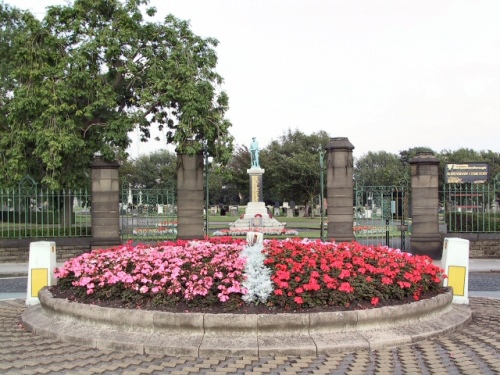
(387, 74)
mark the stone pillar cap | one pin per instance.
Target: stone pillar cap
(339, 143)
(424, 158)
(100, 163)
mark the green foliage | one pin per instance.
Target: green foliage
(234, 175)
(472, 222)
(383, 168)
(156, 170)
(293, 161)
(466, 155)
(77, 82)
(379, 169)
(406, 155)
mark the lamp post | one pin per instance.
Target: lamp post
(206, 189)
(321, 193)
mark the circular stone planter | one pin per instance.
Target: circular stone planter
(263, 335)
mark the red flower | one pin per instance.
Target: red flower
(375, 301)
(298, 300)
(346, 287)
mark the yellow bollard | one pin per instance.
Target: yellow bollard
(42, 261)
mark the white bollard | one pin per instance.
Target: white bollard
(255, 238)
(42, 262)
(455, 263)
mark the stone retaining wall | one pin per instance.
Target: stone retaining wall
(17, 251)
(482, 245)
(260, 335)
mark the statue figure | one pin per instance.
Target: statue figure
(254, 153)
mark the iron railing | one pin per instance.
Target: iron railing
(32, 211)
(381, 214)
(472, 208)
(148, 214)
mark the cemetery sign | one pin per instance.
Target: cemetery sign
(475, 173)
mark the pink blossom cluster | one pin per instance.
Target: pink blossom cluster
(183, 268)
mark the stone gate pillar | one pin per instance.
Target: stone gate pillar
(340, 189)
(105, 203)
(425, 238)
(190, 201)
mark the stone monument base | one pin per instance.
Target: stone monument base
(256, 216)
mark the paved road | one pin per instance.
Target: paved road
(469, 351)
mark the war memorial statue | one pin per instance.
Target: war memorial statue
(254, 153)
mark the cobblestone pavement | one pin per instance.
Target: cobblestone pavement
(472, 350)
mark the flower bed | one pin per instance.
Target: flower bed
(265, 231)
(167, 224)
(369, 229)
(290, 274)
(153, 231)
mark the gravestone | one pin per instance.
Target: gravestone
(302, 211)
(276, 208)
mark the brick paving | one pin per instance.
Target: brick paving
(472, 350)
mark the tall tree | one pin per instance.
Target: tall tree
(379, 169)
(236, 176)
(155, 170)
(77, 82)
(292, 167)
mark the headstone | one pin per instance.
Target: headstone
(276, 208)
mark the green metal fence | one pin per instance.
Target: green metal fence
(381, 214)
(472, 207)
(32, 211)
(148, 214)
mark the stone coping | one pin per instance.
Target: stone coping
(263, 335)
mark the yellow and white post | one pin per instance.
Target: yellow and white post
(455, 262)
(42, 261)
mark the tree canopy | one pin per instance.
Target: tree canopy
(155, 170)
(292, 166)
(77, 82)
(379, 169)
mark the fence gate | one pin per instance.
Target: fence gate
(381, 215)
(148, 214)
